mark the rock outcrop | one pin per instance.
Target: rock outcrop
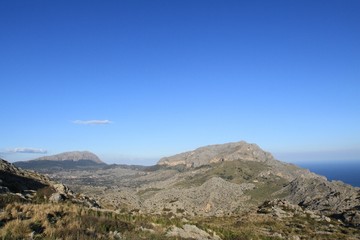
(31, 186)
(189, 231)
(14, 179)
(334, 198)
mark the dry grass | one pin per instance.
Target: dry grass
(69, 221)
(51, 221)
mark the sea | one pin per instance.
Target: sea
(346, 171)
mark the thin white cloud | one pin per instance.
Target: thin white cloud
(27, 150)
(92, 122)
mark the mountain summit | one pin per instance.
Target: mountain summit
(218, 153)
(72, 156)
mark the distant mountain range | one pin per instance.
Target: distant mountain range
(66, 160)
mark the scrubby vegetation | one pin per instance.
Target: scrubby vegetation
(232, 171)
(69, 221)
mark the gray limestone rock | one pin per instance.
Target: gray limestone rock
(191, 232)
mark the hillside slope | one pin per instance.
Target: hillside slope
(272, 178)
(28, 186)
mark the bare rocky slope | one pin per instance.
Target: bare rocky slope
(300, 186)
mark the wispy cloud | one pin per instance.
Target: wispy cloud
(92, 122)
(26, 150)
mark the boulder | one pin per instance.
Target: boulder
(57, 197)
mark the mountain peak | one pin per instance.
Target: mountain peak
(218, 153)
(72, 156)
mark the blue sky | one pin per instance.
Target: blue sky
(133, 81)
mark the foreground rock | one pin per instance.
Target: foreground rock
(191, 232)
(28, 186)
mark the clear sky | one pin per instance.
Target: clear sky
(133, 81)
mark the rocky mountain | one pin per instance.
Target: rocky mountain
(300, 187)
(218, 153)
(66, 160)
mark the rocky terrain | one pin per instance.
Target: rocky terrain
(217, 180)
(229, 191)
(28, 186)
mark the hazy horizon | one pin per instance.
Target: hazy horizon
(290, 157)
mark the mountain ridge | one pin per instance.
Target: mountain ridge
(218, 153)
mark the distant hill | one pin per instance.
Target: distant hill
(72, 156)
(63, 161)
